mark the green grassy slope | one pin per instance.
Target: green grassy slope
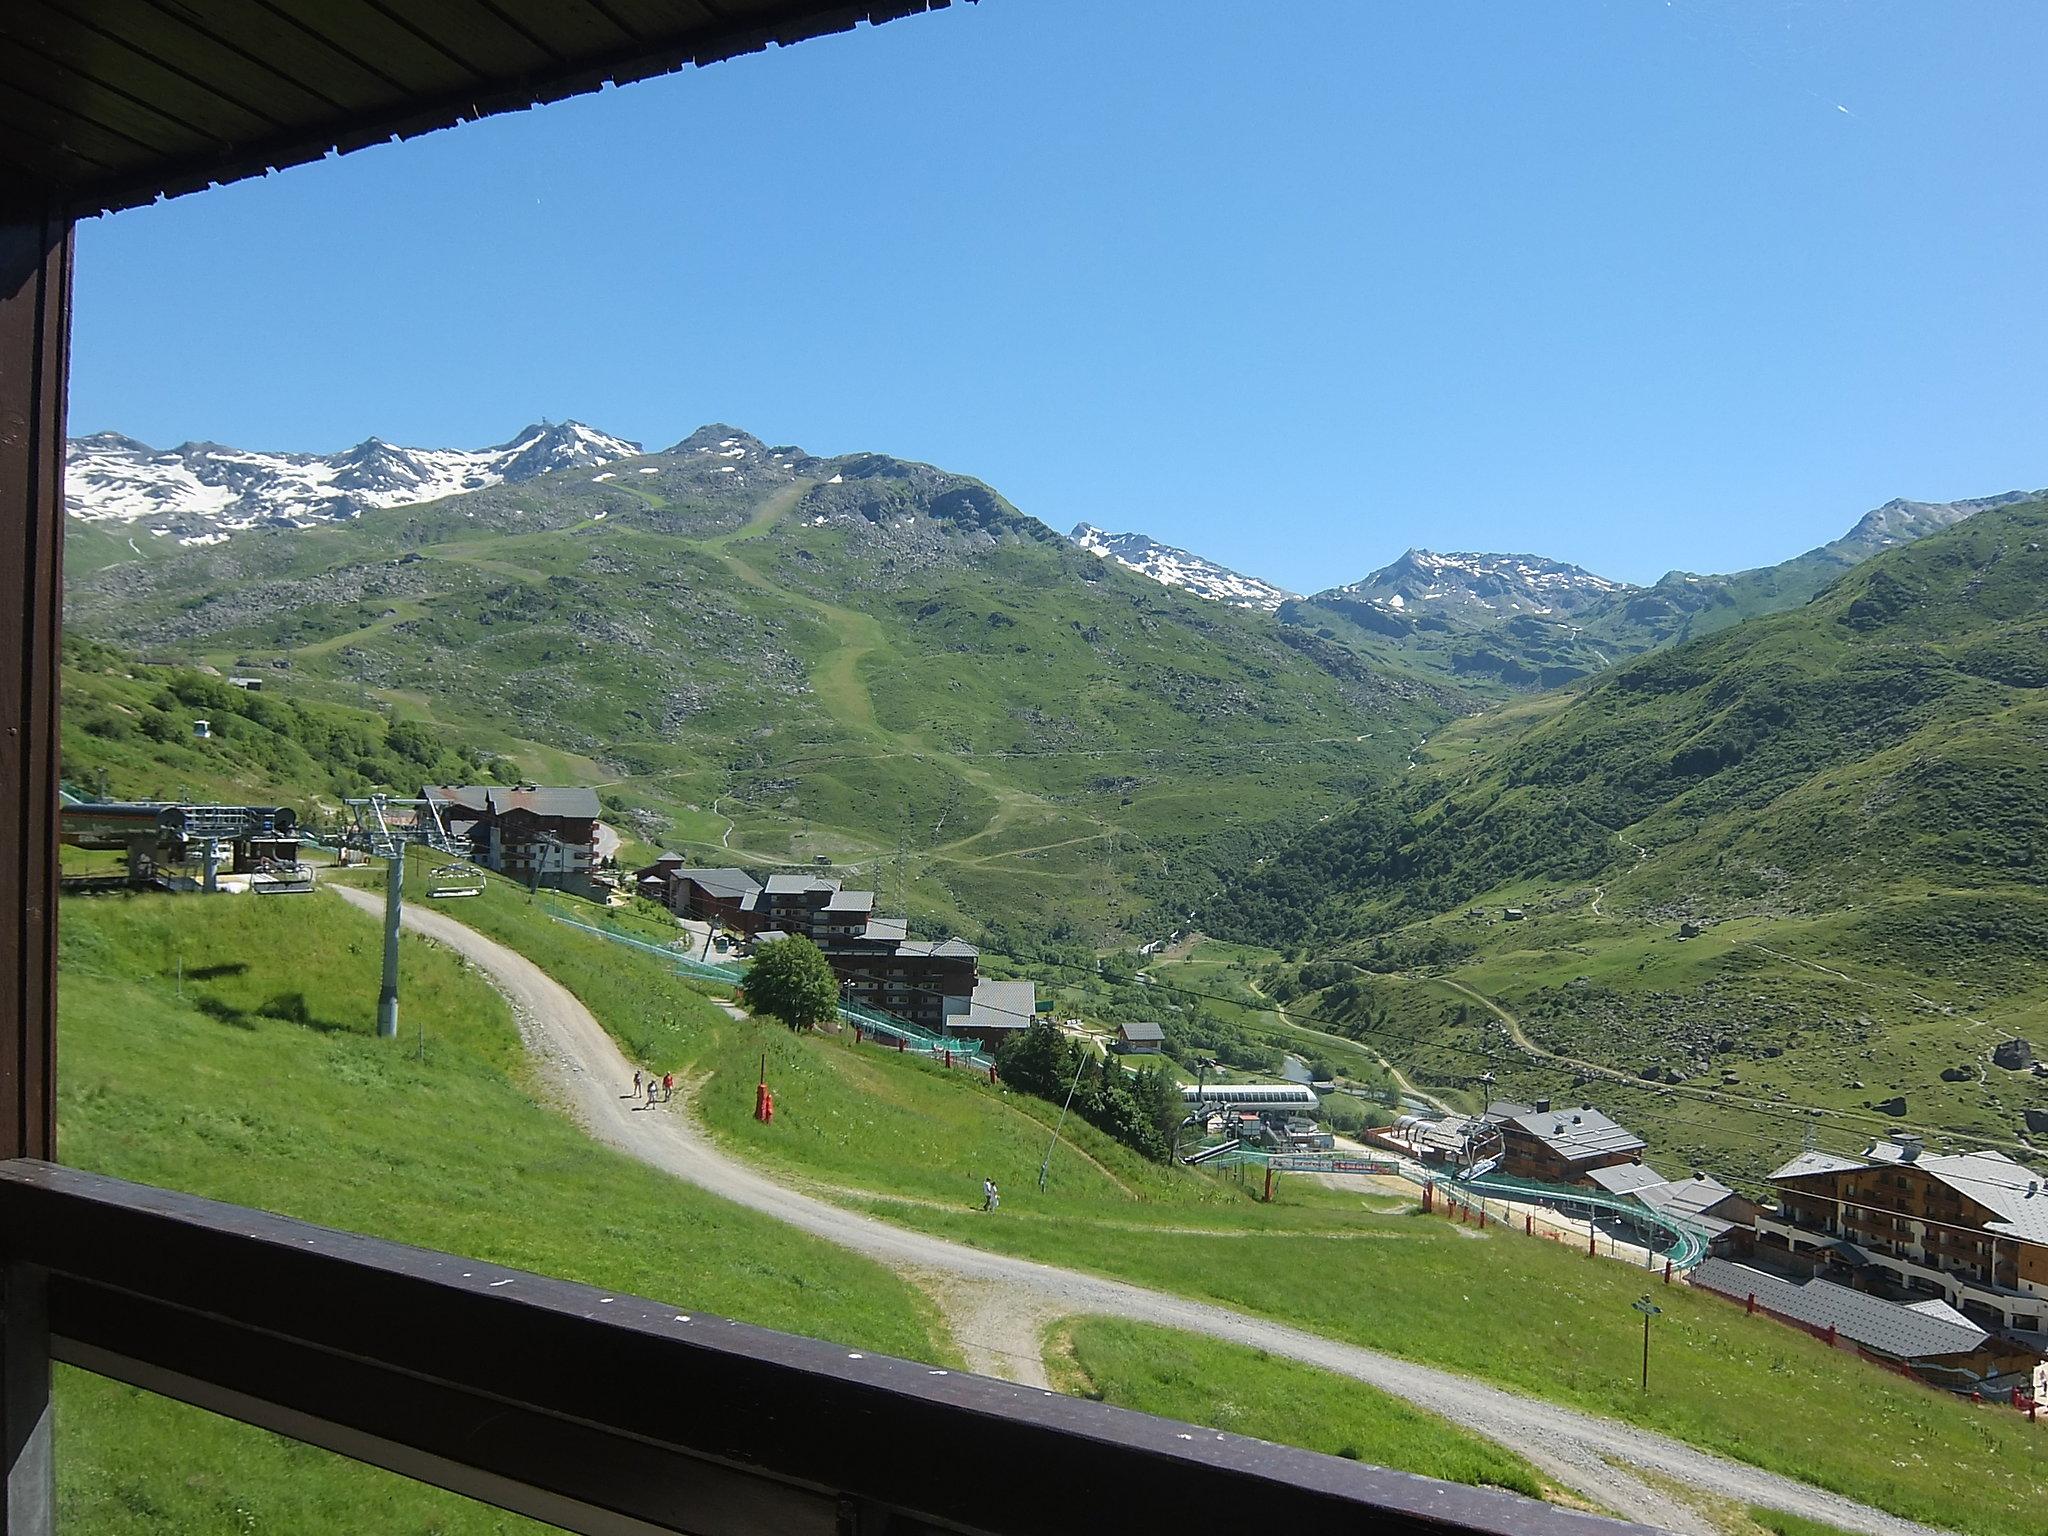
(1849, 796)
(910, 1143)
(261, 1083)
(1248, 1392)
(858, 658)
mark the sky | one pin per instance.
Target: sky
(1642, 286)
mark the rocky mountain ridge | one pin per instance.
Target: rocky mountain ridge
(1174, 567)
(200, 493)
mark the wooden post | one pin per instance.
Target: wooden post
(35, 324)
(28, 1501)
(35, 333)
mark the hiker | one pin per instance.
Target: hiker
(988, 1194)
(995, 1195)
(636, 1084)
(668, 1086)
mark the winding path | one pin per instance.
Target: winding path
(1000, 1304)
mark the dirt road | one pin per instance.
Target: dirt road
(999, 1305)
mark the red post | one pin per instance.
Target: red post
(1751, 1305)
(901, 1044)
(991, 1072)
(1482, 1215)
(1269, 1186)
(1667, 1271)
(858, 1035)
(949, 1056)
(1831, 1335)
(1528, 1224)
(1428, 1197)
(1592, 1241)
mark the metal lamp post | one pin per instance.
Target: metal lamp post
(1649, 1309)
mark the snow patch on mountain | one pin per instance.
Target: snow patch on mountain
(1173, 567)
(199, 493)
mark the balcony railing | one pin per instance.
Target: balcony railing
(606, 1413)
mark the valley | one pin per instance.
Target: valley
(1766, 888)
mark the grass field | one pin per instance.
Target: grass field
(1520, 1312)
(1248, 1392)
(262, 1084)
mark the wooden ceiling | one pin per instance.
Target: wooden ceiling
(108, 104)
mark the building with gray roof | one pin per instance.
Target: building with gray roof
(537, 835)
(1969, 1228)
(1561, 1146)
(1930, 1335)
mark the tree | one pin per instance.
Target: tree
(791, 979)
(1158, 1096)
(1039, 1061)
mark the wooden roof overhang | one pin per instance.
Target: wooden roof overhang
(108, 104)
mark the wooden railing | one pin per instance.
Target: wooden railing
(607, 1413)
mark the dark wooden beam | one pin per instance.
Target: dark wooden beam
(35, 331)
(28, 1488)
(610, 1414)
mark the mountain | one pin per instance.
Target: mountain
(1844, 803)
(1475, 589)
(771, 657)
(1172, 567)
(1516, 623)
(199, 493)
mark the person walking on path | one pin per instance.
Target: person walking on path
(995, 1195)
(636, 1084)
(668, 1086)
(988, 1194)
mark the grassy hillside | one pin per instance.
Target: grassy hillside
(128, 733)
(257, 1079)
(766, 656)
(1847, 798)
(910, 1143)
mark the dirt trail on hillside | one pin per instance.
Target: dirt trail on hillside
(999, 1305)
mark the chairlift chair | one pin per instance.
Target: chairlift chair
(452, 880)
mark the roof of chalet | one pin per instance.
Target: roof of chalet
(721, 882)
(938, 949)
(1884, 1327)
(1141, 1031)
(570, 803)
(797, 885)
(1625, 1178)
(895, 929)
(851, 901)
(1577, 1134)
(1000, 1005)
(1807, 1163)
(158, 100)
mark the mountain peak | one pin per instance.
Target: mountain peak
(1475, 587)
(1172, 567)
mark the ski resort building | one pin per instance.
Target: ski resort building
(537, 836)
(1725, 1217)
(936, 984)
(1901, 1222)
(1561, 1146)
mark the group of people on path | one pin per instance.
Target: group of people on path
(991, 1197)
(658, 1090)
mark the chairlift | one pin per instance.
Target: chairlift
(452, 880)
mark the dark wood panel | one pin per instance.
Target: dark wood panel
(35, 313)
(485, 43)
(279, 38)
(147, 127)
(227, 65)
(50, 31)
(30, 113)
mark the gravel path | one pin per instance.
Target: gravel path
(1000, 1303)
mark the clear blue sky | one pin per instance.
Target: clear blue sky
(1640, 285)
